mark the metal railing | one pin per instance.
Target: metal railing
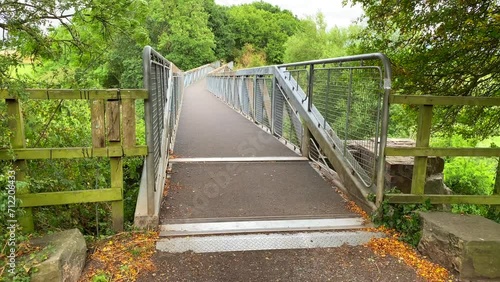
(341, 100)
(165, 84)
(198, 73)
(260, 99)
(347, 97)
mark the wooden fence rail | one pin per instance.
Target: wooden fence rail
(422, 150)
(113, 137)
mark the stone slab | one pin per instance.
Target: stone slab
(468, 244)
(67, 260)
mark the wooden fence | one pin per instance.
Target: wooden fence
(422, 150)
(113, 137)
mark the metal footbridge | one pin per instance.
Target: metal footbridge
(254, 159)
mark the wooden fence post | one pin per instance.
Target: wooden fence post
(114, 138)
(97, 123)
(423, 137)
(128, 112)
(16, 125)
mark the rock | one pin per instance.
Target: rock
(468, 244)
(399, 170)
(67, 260)
(434, 184)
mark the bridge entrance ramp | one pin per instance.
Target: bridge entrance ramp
(230, 178)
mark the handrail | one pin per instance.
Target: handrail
(165, 84)
(385, 108)
(230, 86)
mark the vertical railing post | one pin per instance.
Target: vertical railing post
(255, 87)
(383, 142)
(423, 137)
(16, 126)
(310, 87)
(383, 132)
(148, 119)
(273, 103)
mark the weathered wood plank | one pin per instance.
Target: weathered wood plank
(72, 153)
(18, 141)
(69, 197)
(444, 199)
(97, 123)
(113, 121)
(16, 123)
(83, 94)
(442, 152)
(444, 100)
(117, 208)
(423, 137)
(128, 112)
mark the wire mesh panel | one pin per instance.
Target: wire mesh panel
(255, 97)
(250, 83)
(245, 97)
(159, 73)
(287, 123)
(348, 99)
(234, 89)
(165, 84)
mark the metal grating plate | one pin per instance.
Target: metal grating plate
(261, 226)
(255, 242)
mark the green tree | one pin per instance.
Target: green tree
(181, 32)
(218, 22)
(449, 48)
(314, 41)
(263, 26)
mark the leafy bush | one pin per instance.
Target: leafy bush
(470, 175)
(402, 218)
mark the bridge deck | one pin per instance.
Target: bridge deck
(209, 128)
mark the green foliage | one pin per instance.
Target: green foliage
(77, 44)
(21, 272)
(131, 181)
(180, 31)
(101, 277)
(403, 218)
(218, 22)
(448, 48)
(263, 26)
(250, 57)
(402, 121)
(469, 175)
(314, 41)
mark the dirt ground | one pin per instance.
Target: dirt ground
(345, 263)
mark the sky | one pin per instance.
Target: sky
(335, 13)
